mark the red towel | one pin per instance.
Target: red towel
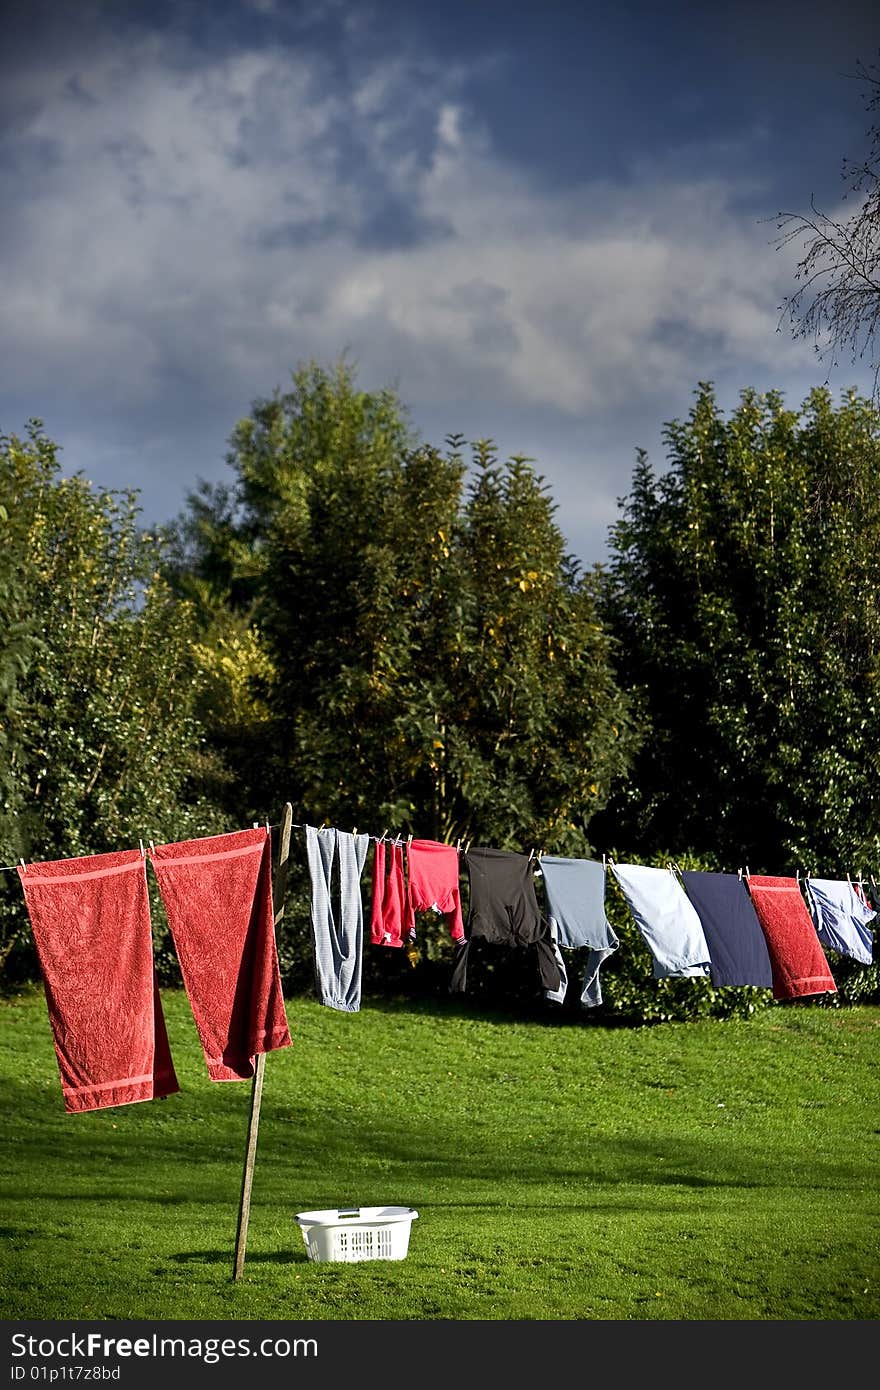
(389, 896)
(797, 962)
(91, 923)
(433, 875)
(218, 899)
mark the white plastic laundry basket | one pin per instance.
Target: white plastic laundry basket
(357, 1233)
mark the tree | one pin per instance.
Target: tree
(744, 593)
(838, 302)
(437, 661)
(100, 744)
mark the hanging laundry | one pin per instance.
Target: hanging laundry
(388, 909)
(337, 914)
(797, 960)
(557, 996)
(666, 918)
(575, 890)
(217, 894)
(841, 916)
(91, 924)
(433, 883)
(503, 911)
(737, 949)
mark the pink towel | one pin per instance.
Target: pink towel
(91, 923)
(797, 961)
(217, 894)
(433, 882)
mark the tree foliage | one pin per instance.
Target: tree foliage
(434, 660)
(99, 745)
(744, 592)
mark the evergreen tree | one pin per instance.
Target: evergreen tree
(744, 593)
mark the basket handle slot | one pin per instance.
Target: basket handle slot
(348, 1211)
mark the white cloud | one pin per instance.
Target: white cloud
(449, 125)
(192, 204)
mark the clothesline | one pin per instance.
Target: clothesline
(733, 930)
(538, 856)
(397, 839)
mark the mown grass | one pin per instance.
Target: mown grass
(561, 1170)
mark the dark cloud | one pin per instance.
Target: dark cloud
(541, 223)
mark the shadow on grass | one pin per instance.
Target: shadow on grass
(358, 1157)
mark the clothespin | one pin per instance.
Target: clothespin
(256, 825)
(468, 845)
(152, 847)
(748, 875)
(382, 836)
(23, 865)
(458, 843)
(141, 843)
(354, 830)
(409, 840)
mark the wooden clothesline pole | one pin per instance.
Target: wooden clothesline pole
(244, 1207)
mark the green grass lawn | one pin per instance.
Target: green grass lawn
(561, 1170)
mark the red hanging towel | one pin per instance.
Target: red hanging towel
(389, 894)
(91, 924)
(797, 962)
(433, 882)
(217, 894)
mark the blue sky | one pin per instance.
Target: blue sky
(541, 223)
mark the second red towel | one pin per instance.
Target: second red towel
(797, 962)
(217, 894)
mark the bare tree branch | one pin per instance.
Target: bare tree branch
(837, 302)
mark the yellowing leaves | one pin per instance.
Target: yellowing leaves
(527, 580)
(233, 661)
